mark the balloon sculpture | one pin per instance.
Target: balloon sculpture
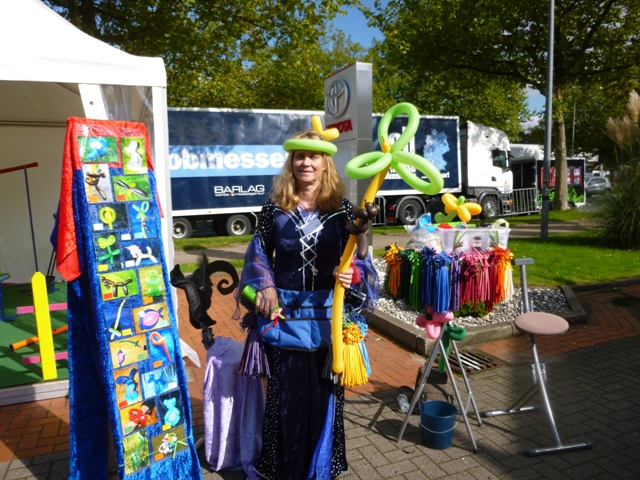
(457, 207)
(377, 164)
(433, 325)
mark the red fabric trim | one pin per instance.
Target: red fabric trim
(67, 261)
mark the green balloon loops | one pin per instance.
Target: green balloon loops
(454, 333)
(372, 163)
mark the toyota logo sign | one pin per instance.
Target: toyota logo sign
(336, 99)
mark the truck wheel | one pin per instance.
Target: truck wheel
(490, 208)
(409, 212)
(182, 228)
(238, 225)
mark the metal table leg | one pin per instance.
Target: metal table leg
(438, 347)
(423, 381)
(470, 397)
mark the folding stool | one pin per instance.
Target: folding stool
(537, 323)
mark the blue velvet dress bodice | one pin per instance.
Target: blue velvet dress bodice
(307, 247)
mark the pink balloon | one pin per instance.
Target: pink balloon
(433, 326)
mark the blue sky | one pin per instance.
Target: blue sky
(355, 25)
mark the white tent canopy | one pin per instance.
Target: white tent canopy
(49, 71)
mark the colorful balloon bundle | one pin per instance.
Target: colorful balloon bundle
(445, 281)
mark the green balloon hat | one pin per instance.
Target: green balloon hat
(309, 144)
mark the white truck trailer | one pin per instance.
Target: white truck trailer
(222, 163)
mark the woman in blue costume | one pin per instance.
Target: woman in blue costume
(292, 261)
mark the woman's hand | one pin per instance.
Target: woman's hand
(267, 302)
(345, 277)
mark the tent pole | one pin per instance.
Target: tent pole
(33, 237)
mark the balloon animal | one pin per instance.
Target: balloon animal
(366, 214)
(457, 207)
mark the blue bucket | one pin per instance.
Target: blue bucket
(437, 420)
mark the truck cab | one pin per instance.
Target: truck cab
(486, 172)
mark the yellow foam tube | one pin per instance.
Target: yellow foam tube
(43, 323)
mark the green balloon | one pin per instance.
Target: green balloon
(372, 163)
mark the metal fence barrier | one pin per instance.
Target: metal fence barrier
(525, 200)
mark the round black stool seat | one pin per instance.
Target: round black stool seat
(541, 323)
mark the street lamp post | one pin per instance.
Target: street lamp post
(544, 224)
(573, 125)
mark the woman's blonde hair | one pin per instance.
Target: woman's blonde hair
(285, 189)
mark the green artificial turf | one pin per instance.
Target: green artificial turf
(12, 371)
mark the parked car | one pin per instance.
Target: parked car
(597, 186)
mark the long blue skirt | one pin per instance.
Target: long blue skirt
(303, 433)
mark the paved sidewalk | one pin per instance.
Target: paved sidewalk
(593, 373)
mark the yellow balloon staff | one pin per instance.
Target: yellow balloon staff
(377, 165)
(338, 289)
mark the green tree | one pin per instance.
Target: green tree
(495, 102)
(228, 53)
(595, 42)
(588, 111)
(292, 76)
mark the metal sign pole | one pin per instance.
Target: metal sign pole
(544, 225)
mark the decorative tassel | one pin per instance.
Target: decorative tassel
(405, 275)
(484, 285)
(508, 283)
(356, 359)
(454, 282)
(327, 371)
(495, 279)
(441, 284)
(414, 289)
(427, 276)
(355, 371)
(254, 361)
(469, 277)
(364, 330)
(394, 263)
(500, 260)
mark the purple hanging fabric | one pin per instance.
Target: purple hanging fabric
(454, 282)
